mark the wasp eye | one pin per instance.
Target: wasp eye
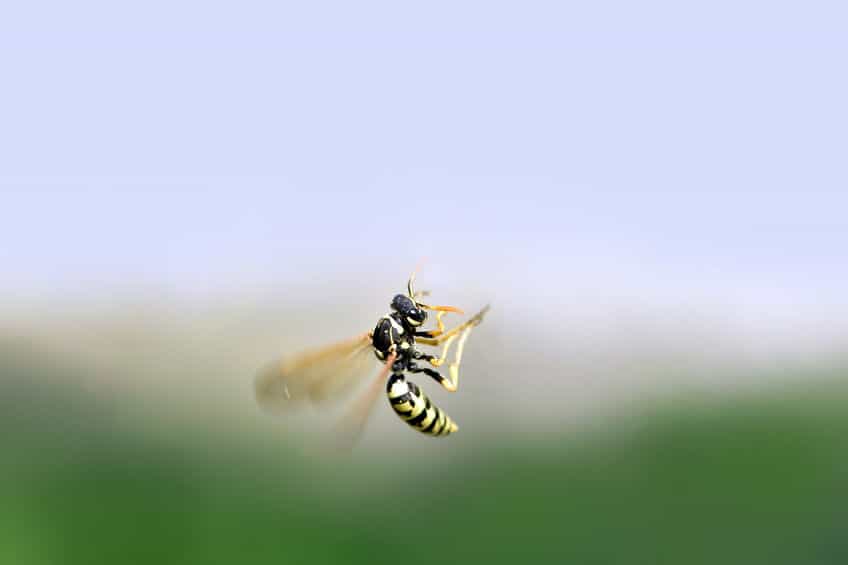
(416, 316)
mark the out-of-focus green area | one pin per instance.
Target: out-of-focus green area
(761, 479)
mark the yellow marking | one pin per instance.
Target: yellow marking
(413, 322)
(431, 415)
(445, 426)
(449, 427)
(417, 408)
(402, 407)
(399, 388)
(440, 424)
(404, 345)
(396, 325)
(435, 418)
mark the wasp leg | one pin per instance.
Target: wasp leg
(453, 368)
(434, 333)
(436, 376)
(438, 361)
(470, 323)
(452, 382)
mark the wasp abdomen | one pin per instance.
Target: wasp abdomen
(413, 406)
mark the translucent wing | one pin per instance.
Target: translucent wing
(315, 375)
(351, 425)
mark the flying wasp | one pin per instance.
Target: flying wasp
(329, 372)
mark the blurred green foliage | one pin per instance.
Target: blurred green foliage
(745, 481)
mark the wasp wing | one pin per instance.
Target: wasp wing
(350, 427)
(314, 375)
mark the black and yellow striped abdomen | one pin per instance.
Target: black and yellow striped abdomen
(415, 408)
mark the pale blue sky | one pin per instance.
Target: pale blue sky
(202, 146)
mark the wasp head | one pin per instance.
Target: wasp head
(409, 309)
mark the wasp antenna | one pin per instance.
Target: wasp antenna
(409, 285)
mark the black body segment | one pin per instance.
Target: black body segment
(394, 335)
(413, 407)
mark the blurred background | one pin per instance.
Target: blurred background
(652, 197)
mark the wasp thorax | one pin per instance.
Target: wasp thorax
(408, 308)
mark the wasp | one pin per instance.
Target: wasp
(330, 371)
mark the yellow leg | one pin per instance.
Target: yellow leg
(444, 336)
(452, 382)
(453, 368)
(458, 335)
(440, 323)
(438, 361)
(439, 331)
